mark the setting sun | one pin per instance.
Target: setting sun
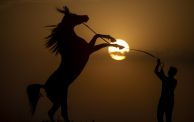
(116, 53)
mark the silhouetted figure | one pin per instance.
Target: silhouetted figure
(169, 83)
(74, 52)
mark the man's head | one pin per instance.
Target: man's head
(172, 71)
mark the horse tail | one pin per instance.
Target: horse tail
(33, 92)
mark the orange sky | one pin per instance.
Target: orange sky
(107, 89)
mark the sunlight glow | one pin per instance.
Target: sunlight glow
(116, 53)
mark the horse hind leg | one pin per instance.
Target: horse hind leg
(64, 109)
(53, 110)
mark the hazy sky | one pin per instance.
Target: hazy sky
(106, 90)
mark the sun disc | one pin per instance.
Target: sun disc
(116, 53)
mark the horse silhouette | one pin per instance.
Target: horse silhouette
(74, 52)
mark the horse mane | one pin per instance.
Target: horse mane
(52, 41)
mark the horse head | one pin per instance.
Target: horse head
(68, 22)
(71, 18)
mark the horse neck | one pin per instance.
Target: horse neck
(68, 29)
(67, 32)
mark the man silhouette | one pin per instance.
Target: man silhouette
(169, 83)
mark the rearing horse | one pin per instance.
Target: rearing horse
(74, 52)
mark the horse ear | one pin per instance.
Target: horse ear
(66, 10)
(61, 11)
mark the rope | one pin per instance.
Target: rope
(142, 51)
(94, 32)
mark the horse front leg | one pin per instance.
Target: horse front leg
(103, 45)
(93, 41)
